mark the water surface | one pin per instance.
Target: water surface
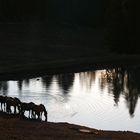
(102, 99)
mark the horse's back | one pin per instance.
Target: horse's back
(13, 101)
(27, 106)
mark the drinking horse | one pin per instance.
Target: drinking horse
(15, 102)
(3, 102)
(38, 110)
(27, 107)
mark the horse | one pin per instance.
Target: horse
(38, 110)
(15, 102)
(3, 102)
(27, 107)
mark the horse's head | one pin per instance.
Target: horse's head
(17, 100)
(45, 111)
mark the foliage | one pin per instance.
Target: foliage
(122, 18)
(75, 11)
(15, 10)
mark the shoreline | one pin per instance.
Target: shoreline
(68, 66)
(14, 127)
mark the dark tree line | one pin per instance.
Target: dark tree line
(74, 11)
(122, 17)
(20, 10)
(85, 12)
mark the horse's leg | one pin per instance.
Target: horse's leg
(34, 115)
(45, 114)
(40, 115)
(7, 108)
(10, 109)
(19, 109)
(1, 107)
(22, 112)
(29, 114)
(4, 107)
(14, 109)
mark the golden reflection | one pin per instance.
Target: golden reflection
(117, 81)
(113, 79)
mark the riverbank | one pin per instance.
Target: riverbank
(14, 127)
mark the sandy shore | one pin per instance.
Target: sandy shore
(13, 127)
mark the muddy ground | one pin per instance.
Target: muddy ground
(13, 127)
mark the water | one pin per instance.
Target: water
(102, 99)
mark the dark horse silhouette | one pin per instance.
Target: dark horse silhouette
(3, 102)
(27, 107)
(15, 102)
(38, 110)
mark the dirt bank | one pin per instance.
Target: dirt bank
(12, 127)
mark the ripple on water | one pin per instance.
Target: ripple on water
(85, 104)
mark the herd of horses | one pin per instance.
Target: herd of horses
(35, 111)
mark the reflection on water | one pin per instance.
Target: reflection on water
(100, 99)
(122, 82)
(4, 87)
(65, 82)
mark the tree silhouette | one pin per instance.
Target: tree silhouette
(20, 84)
(133, 87)
(15, 10)
(123, 81)
(46, 81)
(27, 82)
(114, 79)
(65, 81)
(4, 87)
(122, 18)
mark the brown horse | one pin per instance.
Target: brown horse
(15, 102)
(38, 110)
(26, 107)
(3, 102)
